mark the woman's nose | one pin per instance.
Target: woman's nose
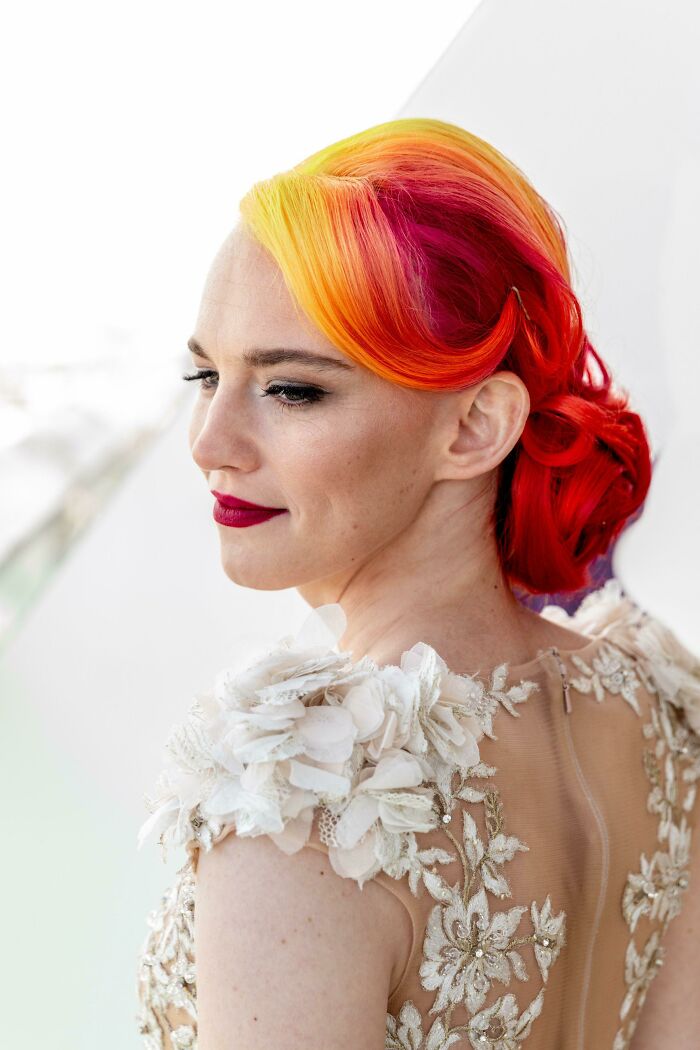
(220, 434)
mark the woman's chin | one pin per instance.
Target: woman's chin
(241, 569)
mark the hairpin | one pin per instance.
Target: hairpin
(521, 302)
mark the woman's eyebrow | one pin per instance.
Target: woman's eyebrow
(275, 355)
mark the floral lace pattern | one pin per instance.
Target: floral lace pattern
(166, 970)
(382, 753)
(672, 767)
(467, 948)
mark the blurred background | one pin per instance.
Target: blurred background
(131, 132)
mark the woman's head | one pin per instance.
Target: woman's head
(425, 263)
(365, 468)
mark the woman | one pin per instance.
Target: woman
(457, 821)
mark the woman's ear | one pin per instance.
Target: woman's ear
(487, 420)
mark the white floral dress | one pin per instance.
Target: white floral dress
(535, 823)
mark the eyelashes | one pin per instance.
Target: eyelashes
(308, 395)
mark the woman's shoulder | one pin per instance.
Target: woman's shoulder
(624, 637)
(302, 743)
(302, 731)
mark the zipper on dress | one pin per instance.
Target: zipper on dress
(564, 678)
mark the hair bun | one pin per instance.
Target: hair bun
(582, 468)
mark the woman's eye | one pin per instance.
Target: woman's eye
(294, 396)
(203, 375)
(300, 395)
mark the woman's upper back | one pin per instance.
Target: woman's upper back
(535, 825)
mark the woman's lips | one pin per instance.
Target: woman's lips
(239, 513)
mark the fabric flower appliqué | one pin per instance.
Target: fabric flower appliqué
(302, 726)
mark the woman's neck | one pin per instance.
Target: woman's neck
(439, 582)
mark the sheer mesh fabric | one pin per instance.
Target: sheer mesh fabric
(574, 789)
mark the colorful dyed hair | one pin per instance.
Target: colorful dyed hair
(424, 254)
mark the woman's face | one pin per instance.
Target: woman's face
(351, 466)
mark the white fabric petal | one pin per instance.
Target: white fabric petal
(358, 863)
(162, 818)
(393, 771)
(295, 833)
(314, 778)
(298, 800)
(225, 797)
(265, 747)
(364, 702)
(327, 734)
(386, 738)
(227, 759)
(258, 777)
(359, 816)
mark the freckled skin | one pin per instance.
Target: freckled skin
(388, 490)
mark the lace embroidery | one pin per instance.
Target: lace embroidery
(466, 947)
(609, 670)
(166, 972)
(258, 755)
(672, 766)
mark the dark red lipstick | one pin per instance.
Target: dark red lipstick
(239, 513)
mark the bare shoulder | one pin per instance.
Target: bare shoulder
(289, 953)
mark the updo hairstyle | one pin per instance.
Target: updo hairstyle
(424, 254)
